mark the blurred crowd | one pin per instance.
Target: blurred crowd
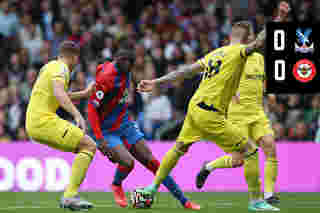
(165, 34)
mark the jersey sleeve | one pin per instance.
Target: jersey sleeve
(104, 85)
(253, 62)
(240, 50)
(60, 73)
(100, 92)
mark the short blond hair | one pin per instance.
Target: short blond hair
(245, 25)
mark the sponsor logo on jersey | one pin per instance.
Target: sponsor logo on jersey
(100, 94)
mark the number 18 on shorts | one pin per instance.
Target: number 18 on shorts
(292, 59)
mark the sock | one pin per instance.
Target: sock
(270, 175)
(78, 172)
(251, 173)
(122, 173)
(175, 190)
(222, 162)
(169, 183)
(168, 163)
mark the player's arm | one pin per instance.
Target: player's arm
(65, 102)
(255, 45)
(95, 121)
(184, 71)
(63, 98)
(283, 11)
(86, 93)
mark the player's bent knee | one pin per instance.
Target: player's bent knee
(268, 145)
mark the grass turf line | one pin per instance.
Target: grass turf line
(221, 202)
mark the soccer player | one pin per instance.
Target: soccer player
(118, 136)
(44, 126)
(247, 112)
(208, 108)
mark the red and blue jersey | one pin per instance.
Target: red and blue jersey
(108, 105)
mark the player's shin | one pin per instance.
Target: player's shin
(270, 167)
(78, 172)
(121, 174)
(168, 163)
(271, 173)
(174, 189)
(251, 173)
(168, 182)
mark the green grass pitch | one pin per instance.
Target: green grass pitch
(44, 202)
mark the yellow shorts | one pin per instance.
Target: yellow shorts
(253, 128)
(201, 124)
(55, 132)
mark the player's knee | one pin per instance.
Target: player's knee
(268, 145)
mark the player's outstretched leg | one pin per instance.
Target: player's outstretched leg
(71, 200)
(125, 161)
(144, 155)
(271, 168)
(168, 163)
(120, 175)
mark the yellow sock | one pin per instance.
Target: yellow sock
(251, 173)
(169, 161)
(78, 172)
(222, 162)
(270, 174)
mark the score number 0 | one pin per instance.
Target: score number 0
(279, 65)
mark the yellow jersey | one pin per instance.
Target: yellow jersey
(251, 88)
(222, 71)
(43, 101)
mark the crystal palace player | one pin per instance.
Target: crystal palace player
(117, 136)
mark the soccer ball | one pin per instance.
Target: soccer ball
(140, 201)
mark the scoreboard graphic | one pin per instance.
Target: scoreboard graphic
(292, 59)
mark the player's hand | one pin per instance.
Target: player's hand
(146, 85)
(283, 11)
(80, 122)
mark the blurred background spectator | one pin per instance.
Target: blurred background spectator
(164, 34)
